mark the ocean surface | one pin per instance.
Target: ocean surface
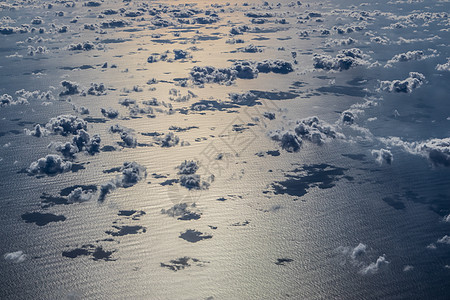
(225, 149)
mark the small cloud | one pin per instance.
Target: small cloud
(80, 195)
(16, 257)
(431, 246)
(383, 156)
(444, 240)
(110, 112)
(408, 268)
(374, 267)
(132, 173)
(444, 67)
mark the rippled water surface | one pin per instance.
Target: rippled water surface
(224, 150)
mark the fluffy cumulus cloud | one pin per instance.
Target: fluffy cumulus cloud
(436, 150)
(126, 134)
(188, 167)
(37, 131)
(444, 67)
(50, 165)
(131, 174)
(97, 89)
(287, 139)
(383, 156)
(247, 98)
(239, 69)
(83, 46)
(80, 195)
(128, 139)
(188, 177)
(316, 131)
(310, 129)
(345, 60)
(208, 74)
(66, 124)
(110, 112)
(16, 257)
(70, 88)
(82, 141)
(168, 140)
(408, 56)
(7, 100)
(414, 81)
(347, 117)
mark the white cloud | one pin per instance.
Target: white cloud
(16, 257)
(345, 60)
(408, 268)
(374, 267)
(415, 80)
(383, 156)
(110, 112)
(132, 173)
(50, 164)
(436, 150)
(444, 67)
(444, 240)
(66, 124)
(79, 195)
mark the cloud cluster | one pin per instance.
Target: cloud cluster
(408, 56)
(188, 167)
(183, 212)
(84, 46)
(310, 129)
(239, 69)
(50, 165)
(358, 255)
(189, 179)
(66, 124)
(247, 98)
(436, 150)
(110, 112)
(132, 173)
(7, 100)
(168, 140)
(97, 89)
(414, 81)
(114, 23)
(345, 60)
(82, 141)
(444, 67)
(70, 88)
